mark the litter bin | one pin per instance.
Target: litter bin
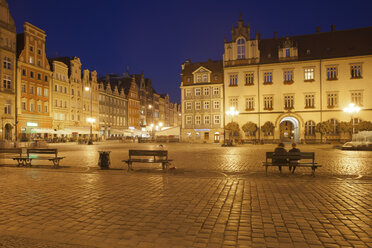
(104, 159)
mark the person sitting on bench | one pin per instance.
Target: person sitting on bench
(293, 162)
(280, 150)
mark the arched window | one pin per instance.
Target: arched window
(334, 124)
(241, 48)
(355, 124)
(310, 128)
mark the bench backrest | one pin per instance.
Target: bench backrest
(159, 153)
(11, 150)
(291, 155)
(41, 151)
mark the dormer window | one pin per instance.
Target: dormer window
(205, 78)
(241, 48)
(288, 52)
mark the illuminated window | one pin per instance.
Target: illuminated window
(241, 48)
(357, 98)
(309, 74)
(234, 102)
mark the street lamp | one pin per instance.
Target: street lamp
(232, 112)
(160, 125)
(91, 120)
(351, 110)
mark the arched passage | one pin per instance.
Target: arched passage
(8, 132)
(293, 128)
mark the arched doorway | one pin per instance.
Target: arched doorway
(289, 129)
(8, 131)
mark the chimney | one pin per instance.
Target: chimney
(318, 29)
(276, 35)
(333, 27)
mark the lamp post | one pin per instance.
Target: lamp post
(91, 120)
(351, 110)
(232, 112)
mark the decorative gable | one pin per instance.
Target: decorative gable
(202, 75)
(287, 49)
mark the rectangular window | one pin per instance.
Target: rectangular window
(332, 100)
(24, 105)
(46, 92)
(38, 76)
(60, 88)
(188, 105)
(23, 72)
(32, 107)
(55, 87)
(24, 88)
(7, 83)
(38, 91)
(7, 109)
(7, 63)
(206, 105)
(72, 117)
(39, 108)
(249, 78)
(197, 92)
(55, 103)
(206, 91)
(189, 119)
(234, 102)
(288, 76)
(207, 119)
(197, 105)
(216, 104)
(268, 77)
(187, 92)
(234, 80)
(216, 91)
(205, 78)
(31, 60)
(216, 119)
(309, 101)
(268, 102)
(198, 120)
(249, 103)
(31, 74)
(309, 74)
(46, 78)
(332, 73)
(72, 92)
(287, 52)
(356, 71)
(32, 91)
(198, 78)
(288, 101)
(357, 98)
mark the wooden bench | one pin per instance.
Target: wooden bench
(148, 156)
(292, 159)
(16, 154)
(33, 154)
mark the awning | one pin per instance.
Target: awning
(43, 130)
(172, 131)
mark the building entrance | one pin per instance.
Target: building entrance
(8, 132)
(217, 137)
(289, 130)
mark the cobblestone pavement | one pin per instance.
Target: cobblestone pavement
(212, 157)
(114, 208)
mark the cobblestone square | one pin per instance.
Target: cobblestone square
(215, 197)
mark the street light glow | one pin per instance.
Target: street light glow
(232, 112)
(87, 88)
(160, 124)
(352, 109)
(91, 120)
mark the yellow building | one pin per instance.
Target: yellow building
(60, 95)
(7, 71)
(299, 81)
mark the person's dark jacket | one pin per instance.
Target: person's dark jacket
(280, 150)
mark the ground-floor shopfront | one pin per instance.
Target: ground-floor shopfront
(213, 135)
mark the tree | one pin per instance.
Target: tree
(345, 127)
(268, 128)
(323, 128)
(250, 128)
(365, 126)
(233, 128)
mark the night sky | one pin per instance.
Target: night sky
(156, 37)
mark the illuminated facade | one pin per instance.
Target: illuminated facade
(7, 71)
(34, 83)
(202, 101)
(296, 82)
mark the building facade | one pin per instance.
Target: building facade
(7, 71)
(113, 106)
(202, 102)
(297, 82)
(34, 84)
(60, 94)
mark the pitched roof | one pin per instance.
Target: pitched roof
(334, 44)
(214, 66)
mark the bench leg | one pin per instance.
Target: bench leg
(27, 162)
(129, 166)
(55, 163)
(313, 171)
(165, 165)
(266, 169)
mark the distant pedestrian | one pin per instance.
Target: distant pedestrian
(280, 150)
(293, 161)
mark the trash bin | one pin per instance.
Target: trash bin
(104, 159)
